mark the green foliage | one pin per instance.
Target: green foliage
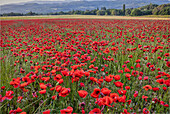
(123, 9)
(163, 9)
(12, 14)
(103, 8)
(117, 12)
(136, 12)
(101, 12)
(30, 13)
(77, 12)
(148, 7)
(128, 11)
(147, 12)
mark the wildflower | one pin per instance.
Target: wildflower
(64, 92)
(42, 91)
(96, 93)
(47, 112)
(135, 94)
(82, 93)
(106, 100)
(95, 111)
(118, 84)
(147, 87)
(105, 91)
(117, 77)
(68, 110)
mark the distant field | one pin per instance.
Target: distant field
(154, 17)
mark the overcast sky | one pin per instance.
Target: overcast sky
(18, 1)
(2, 2)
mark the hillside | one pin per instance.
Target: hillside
(51, 7)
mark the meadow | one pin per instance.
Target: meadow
(85, 66)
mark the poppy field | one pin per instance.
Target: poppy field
(84, 66)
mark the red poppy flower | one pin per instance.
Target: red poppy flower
(87, 74)
(122, 99)
(145, 78)
(18, 110)
(166, 105)
(126, 112)
(138, 65)
(126, 70)
(46, 112)
(82, 84)
(106, 100)
(82, 93)
(95, 111)
(127, 75)
(118, 84)
(147, 87)
(144, 97)
(19, 99)
(155, 89)
(105, 91)
(64, 92)
(53, 71)
(160, 81)
(68, 110)
(130, 56)
(168, 63)
(9, 95)
(135, 73)
(145, 111)
(138, 61)
(164, 88)
(12, 112)
(135, 94)
(54, 97)
(58, 77)
(122, 92)
(127, 87)
(42, 86)
(58, 88)
(114, 95)
(60, 81)
(22, 70)
(3, 87)
(95, 93)
(108, 78)
(117, 77)
(42, 91)
(65, 73)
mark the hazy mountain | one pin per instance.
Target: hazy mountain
(68, 5)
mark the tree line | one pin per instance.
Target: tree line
(151, 9)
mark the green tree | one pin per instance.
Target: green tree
(61, 13)
(103, 8)
(136, 12)
(30, 13)
(123, 9)
(101, 12)
(77, 12)
(128, 11)
(163, 9)
(116, 12)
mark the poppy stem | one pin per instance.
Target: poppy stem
(103, 108)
